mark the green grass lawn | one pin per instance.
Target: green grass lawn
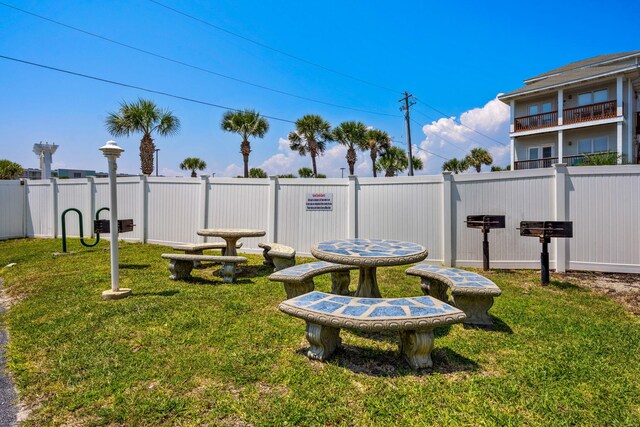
(208, 353)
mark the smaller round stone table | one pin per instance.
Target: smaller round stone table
(231, 236)
(368, 254)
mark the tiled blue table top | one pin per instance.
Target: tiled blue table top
(460, 278)
(305, 268)
(301, 272)
(370, 248)
(371, 308)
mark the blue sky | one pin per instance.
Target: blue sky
(454, 56)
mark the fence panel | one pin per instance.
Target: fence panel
(520, 196)
(172, 210)
(238, 203)
(12, 209)
(299, 228)
(129, 204)
(402, 209)
(74, 193)
(604, 205)
(39, 210)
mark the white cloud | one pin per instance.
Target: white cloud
(448, 138)
(232, 170)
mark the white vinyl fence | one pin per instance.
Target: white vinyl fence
(603, 203)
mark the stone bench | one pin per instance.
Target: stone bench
(180, 265)
(197, 248)
(470, 292)
(278, 256)
(414, 318)
(298, 280)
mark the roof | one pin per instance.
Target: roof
(580, 70)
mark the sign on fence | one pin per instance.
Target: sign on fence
(319, 201)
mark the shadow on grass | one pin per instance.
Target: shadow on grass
(566, 286)
(135, 266)
(168, 293)
(381, 363)
(215, 280)
(498, 326)
(254, 271)
(392, 336)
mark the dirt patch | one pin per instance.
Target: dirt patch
(624, 288)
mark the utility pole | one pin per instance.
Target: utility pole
(407, 104)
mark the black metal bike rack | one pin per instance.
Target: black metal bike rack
(545, 230)
(64, 228)
(485, 223)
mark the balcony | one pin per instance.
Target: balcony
(585, 113)
(547, 162)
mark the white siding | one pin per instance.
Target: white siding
(11, 209)
(172, 210)
(39, 214)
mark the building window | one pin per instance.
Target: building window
(593, 145)
(77, 175)
(543, 107)
(537, 153)
(594, 97)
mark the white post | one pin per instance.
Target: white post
(91, 205)
(143, 209)
(619, 142)
(512, 116)
(619, 96)
(203, 212)
(111, 151)
(560, 110)
(629, 121)
(272, 215)
(560, 145)
(512, 143)
(561, 214)
(619, 113)
(54, 205)
(447, 231)
(353, 207)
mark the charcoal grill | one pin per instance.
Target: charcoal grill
(104, 226)
(545, 230)
(485, 223)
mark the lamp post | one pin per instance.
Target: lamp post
(342, 172)
(111, 151)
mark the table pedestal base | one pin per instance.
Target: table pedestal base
(323, 339)
(368, 284)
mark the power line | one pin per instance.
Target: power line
(461, 124)
(113, 82)
(266, 46)
(165, 58)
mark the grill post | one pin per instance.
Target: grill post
(485, 223)
(485, 249)
(544, 261)
(545, 230)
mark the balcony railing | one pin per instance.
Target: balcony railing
(585, 113)
(536, 121)
(547, 162)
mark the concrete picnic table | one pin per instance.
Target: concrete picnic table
(231, 236)
(368, 255)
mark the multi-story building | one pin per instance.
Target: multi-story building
(588, 106)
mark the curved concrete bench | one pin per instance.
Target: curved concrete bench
(298, 280)
(278, 256)
(197, 248)
(471, 292)
(414, 318)
(180, 265)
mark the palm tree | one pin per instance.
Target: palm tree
(352, 135)
(247, 123)
(305, 173)
(394, 160)
(377, 141)
(193, 164)
(10, 170)
(257, 173)
(311, 135)
(454, 165)
(143, 116)
(478, 157)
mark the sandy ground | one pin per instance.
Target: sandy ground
(624, 288)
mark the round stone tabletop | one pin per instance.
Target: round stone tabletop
(231, 232)
(369, 252)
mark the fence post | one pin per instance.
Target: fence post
(447, 231)
(25, 193)
(143, 209)
(353, 207)
(204, 205)
(91, 205)
(272, 208)
(54, 205)
(561, 214)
